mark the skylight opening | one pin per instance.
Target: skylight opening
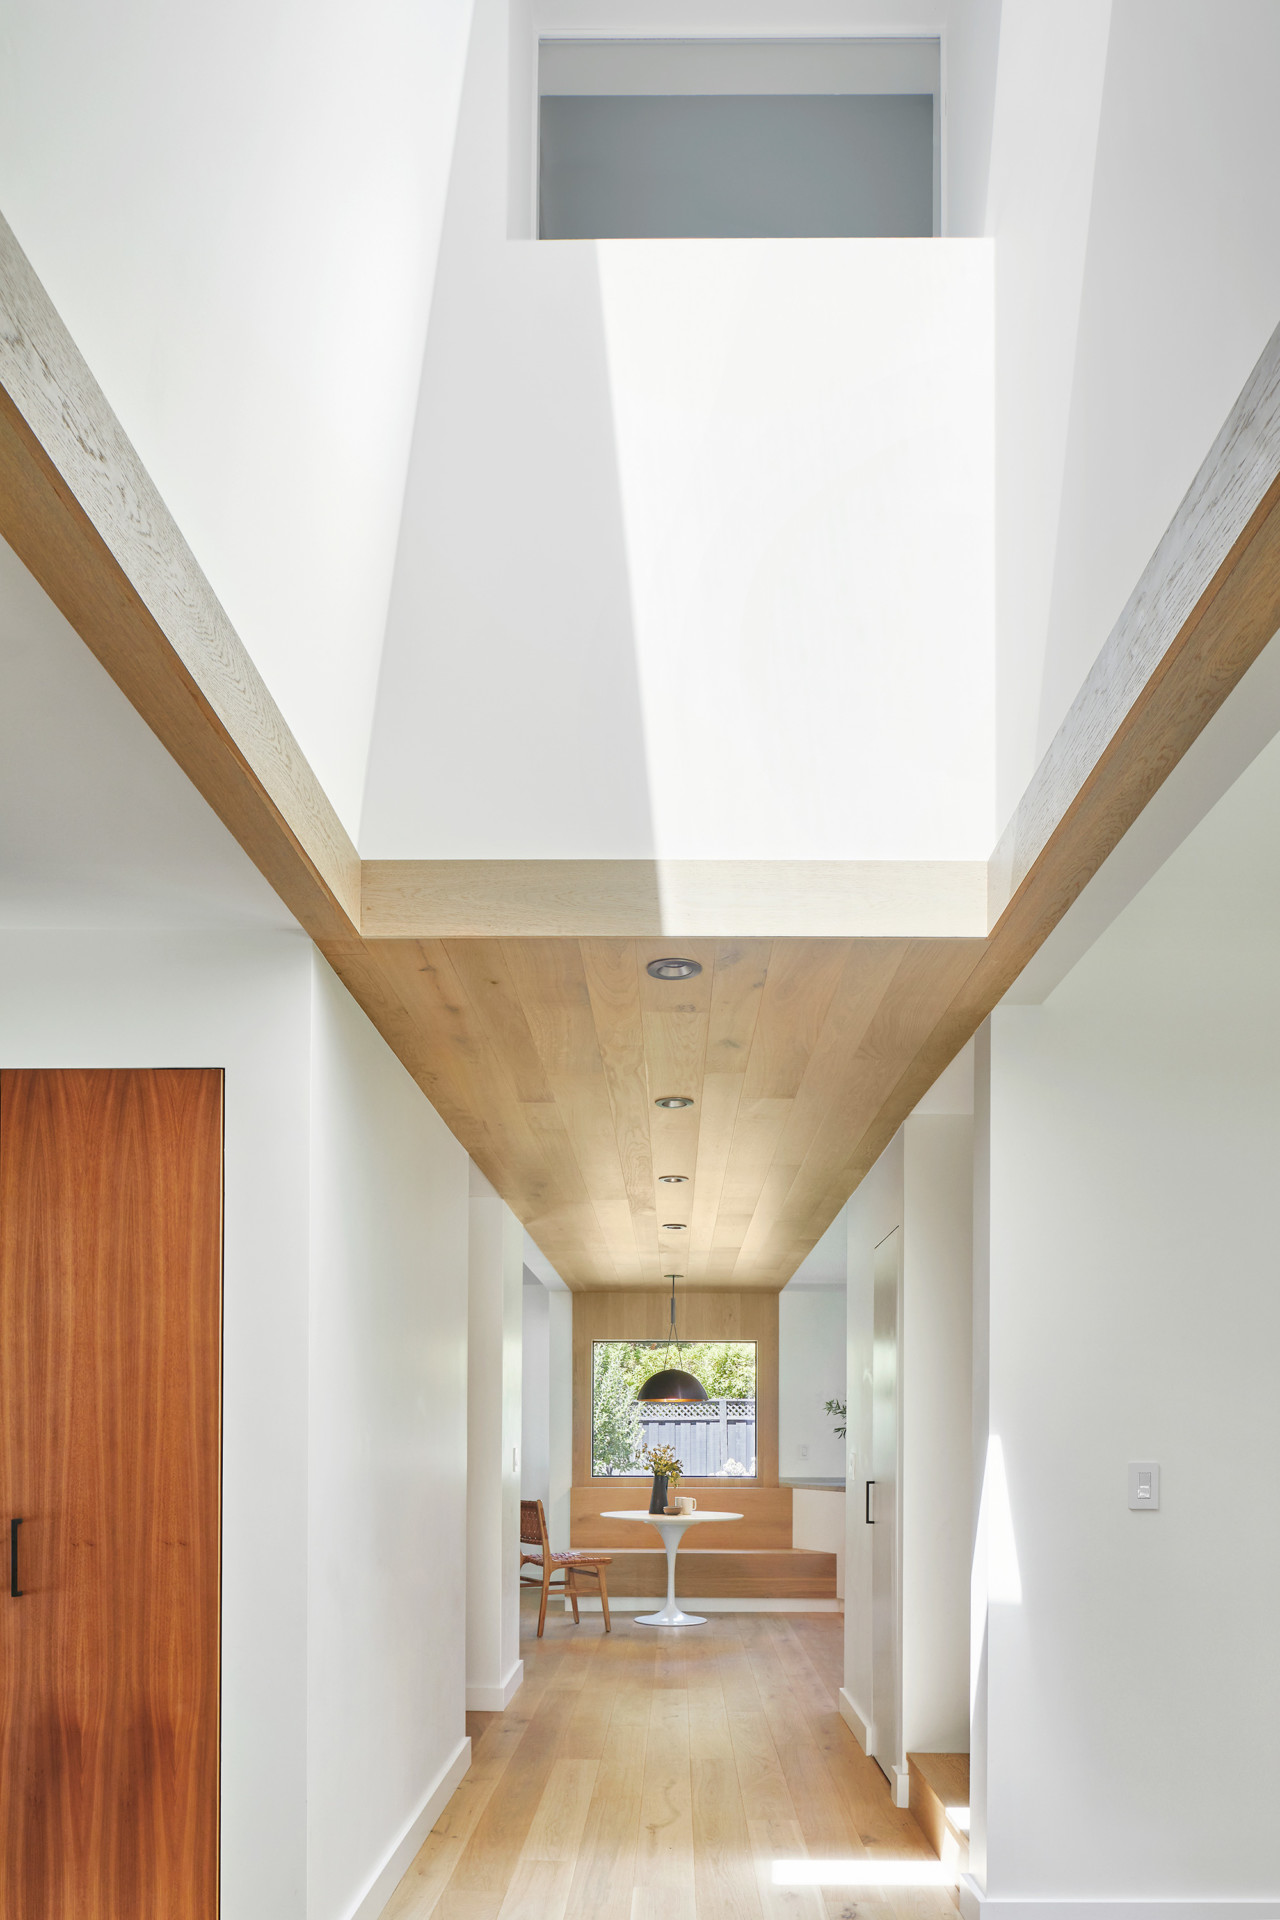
(699, 139)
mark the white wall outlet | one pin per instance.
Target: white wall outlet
(804, 1452)
(1144, 1486)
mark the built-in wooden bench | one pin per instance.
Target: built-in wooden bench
(753, 1559)
(788, 1573)
(940, 1803)
(766, 1513)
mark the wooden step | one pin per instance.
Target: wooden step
(790, 1573)
(940, 1802)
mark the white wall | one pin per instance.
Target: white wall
(811, 1371)
(1134, 1133)
(873, 1211)
(243, 1003)
(388, 1461)
(344, 1288)
(535, 1392)
(937, 1365)
(759, 470)
(560, 1428)
(922, 1183)
(236, 211)
(495, 1269)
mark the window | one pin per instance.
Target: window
(715, 1438)
(737, 139)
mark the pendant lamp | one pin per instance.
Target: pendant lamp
(672, 1383)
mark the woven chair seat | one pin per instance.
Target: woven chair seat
(568, 1558)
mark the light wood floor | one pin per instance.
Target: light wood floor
(656, 1775)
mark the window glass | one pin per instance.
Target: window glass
(714, 1439)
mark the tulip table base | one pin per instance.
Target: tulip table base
(671, 1527)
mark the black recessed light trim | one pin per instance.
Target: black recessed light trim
(673, 968)
(675, 1226)
(673, 1179)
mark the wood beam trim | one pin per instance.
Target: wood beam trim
(1225, 510)
(82, 514)
(680, 899)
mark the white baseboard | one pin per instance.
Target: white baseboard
(397, 1861)
(495, 1699)
(900, 1785)
(649, 1603)
(862, 1729)
(974, 1905)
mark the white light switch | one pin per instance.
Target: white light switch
(1144, 1486)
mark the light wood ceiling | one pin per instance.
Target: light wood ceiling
(545, 1057)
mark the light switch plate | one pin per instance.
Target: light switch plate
(1144, 1486)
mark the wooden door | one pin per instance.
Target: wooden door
(110, 1360)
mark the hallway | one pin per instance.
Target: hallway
(658, 1776)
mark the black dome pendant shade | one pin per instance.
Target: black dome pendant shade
(672, 1383)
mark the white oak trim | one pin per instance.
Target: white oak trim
(1226, 508)
(83, 515)
(686, 899)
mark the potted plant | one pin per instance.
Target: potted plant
(667, 1469)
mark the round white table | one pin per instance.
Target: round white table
(671, 1526)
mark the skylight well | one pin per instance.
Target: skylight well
(689, 139)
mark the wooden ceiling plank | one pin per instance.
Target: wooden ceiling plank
(549, 978)
(612, 974)
(740, 970)
(828, 1085)
(481, 968)
(582, 1100)
(803, 978)
(924, 982)
(721, 1093)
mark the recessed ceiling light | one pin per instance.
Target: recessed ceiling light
(674, 1226)
(673, 1179)
(674, 1100)
(674, 969)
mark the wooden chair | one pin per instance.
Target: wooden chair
(533, 1533)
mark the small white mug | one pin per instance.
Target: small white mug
(685, 1503)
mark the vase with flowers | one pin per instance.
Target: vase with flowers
(667, 1469)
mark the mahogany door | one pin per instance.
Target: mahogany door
(110, 1362)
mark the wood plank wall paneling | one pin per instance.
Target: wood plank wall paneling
(614, 1315)
(110, 1357)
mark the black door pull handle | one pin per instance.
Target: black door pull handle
(870, 1520)
(15, 1590)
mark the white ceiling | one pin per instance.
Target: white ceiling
(98, 826)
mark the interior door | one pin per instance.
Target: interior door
(884, 1508)
(110, 1357)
